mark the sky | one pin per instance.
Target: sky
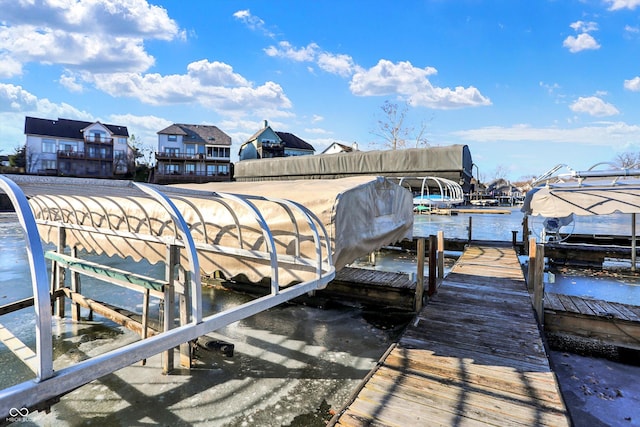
(525, 84)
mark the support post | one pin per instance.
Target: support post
(185, 312)
(59, 274)
(169, 303)
(75, 287)
(525, 232)
(419, 275)
(372, 258)
(532, 264)
(538, 285)
(514, 238)
(633, 242)
(433, 245)
(440, 254)
(470, 229)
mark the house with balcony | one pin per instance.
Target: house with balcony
(77, 148)
(267, 143)
(192, 153)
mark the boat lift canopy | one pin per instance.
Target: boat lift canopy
(193, 231)
(592, 192)
(433, 191)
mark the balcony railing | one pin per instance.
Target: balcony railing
(98, 139)
(187, 156)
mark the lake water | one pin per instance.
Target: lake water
(329, 333)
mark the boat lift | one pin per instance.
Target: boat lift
(160, 224)
(448, 193)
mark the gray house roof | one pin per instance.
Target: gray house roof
(207, 134)
(292, 141)
(65, 128)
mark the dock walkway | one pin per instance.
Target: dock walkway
(472, 356)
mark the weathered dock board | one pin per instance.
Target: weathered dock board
(606, 322)
(472, 356)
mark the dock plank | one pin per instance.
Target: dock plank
(472, 356)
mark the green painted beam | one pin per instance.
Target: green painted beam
(106, 272)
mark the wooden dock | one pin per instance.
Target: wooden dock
(472, 356)
(600, 321)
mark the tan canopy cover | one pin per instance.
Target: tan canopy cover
(360, 214)
(586, 198)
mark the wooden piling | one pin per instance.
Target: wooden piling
(433, 246)
(419, 274)
(440, 254)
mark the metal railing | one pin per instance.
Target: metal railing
(99, 216)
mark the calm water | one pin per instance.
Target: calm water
(15, 283)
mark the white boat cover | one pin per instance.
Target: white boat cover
(361, 214)
(586, 198)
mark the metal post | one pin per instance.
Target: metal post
(39, 282)
(470, 228)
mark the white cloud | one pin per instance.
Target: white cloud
(211, 84)
(144, 128)
(93, 35)
(253, 22)
(9, 67)
(633, 84)
(16, 103)
(584, 27)
(616, 134)
(286, 50)
(593, 106)
(339, 64)
(412, 83)
(582, 42)
(71, 83)
(623, 4)
(318, 131)
(316, 118)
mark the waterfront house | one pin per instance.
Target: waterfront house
(192, 153)
(77, 148)
(267, 143)
(336, 147)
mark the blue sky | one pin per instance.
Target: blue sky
(525, 84)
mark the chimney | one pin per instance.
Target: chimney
(354, 146)
(266, 124)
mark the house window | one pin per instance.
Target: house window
(172, 169)
(224, 152)
(48, 145)
(48, 164)
(172, 138)
(190, 168)
(171, 151)
(68, 147)
(211, 170)
(223, 169)
(190, 149)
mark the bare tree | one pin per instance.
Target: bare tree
(628, 160)
(391, 126)
(395, 131)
